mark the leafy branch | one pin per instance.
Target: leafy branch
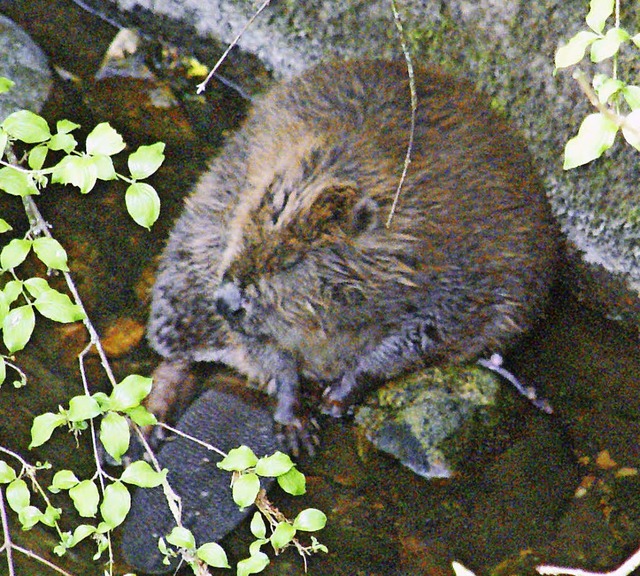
(607, 93)
(109, 418)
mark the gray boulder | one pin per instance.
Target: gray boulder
(24, 63)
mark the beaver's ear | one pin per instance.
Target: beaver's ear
(364, 216)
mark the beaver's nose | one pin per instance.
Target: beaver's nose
(229, 302)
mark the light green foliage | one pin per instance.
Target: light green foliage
(598, 131)
(104, 500)
(81, 169)
(247, 469)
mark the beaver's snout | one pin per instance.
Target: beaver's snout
(230, 302)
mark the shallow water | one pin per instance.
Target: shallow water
(514, 503)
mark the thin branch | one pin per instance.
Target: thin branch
(42, 560)
(192, 438)
(623, 570)
(203, 84)
(8, 544)
(414, 106)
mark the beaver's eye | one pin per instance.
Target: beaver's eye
(364, 216)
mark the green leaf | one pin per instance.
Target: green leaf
(572, 52)
(65, 142)
(293, 482)
(14, 253)
(29, 516)
(274, 465)
(632, 96)
(182, 538)
(36, 286)
(256, 545)
(51, 516)
(18, 495)
(238, 459)
(213, 555)
(82, 407)
(258, 527)
(6, 84)
(7, 474)
(37, 156)
(17, 182)
(103, 139)
(631, 129)
(80, 533)
(85, 497)
(43, 426)
(310, 520)
(104, 167)
(58, 307)
(115, 435)
(66, 126)
(17, 328)
(4, 226)
(27, 127)
(63, 480)
(115, 504)
(141, 416)
(253, 565)
(146, 160)
(80, 171)
(596, 135)
(3, 370)
(245, 490)
(4, 306)
(143, 204)
(130, 392)
(606, 47)
(140, 473)
(51, 253)
(12, 290)
(599, 11)
(606, 87)
(282, 535)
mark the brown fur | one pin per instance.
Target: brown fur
(282, 267)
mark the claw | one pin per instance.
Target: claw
(299, 434)
(332, 406)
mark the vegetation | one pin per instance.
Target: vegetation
(103, 500)
(617, 103)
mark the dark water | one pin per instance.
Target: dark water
(513, 504)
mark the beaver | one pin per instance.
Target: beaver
(283, 265)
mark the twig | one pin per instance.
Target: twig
(191, 438)
(623, 570)
(8, 544)
(201, 87)
(42, 560)
(414, 106)
(495, 365)
(614, 117)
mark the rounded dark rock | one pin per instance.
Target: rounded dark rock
(225, 421)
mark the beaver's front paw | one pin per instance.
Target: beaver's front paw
(337, 398)
(299, 433)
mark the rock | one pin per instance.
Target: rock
(413, 417)
(24, 63)
(509, 50)
(225, 421)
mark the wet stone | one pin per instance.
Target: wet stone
(225, 421)
(412, 417)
